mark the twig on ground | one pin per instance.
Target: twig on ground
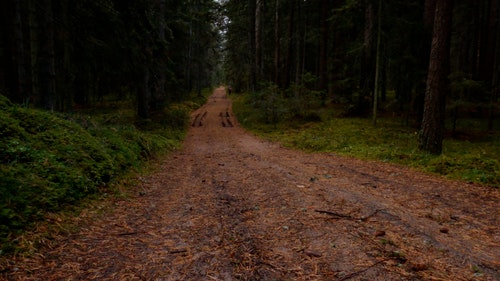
(334, 214)
(354, 274)
(343, 216)
(128, 233)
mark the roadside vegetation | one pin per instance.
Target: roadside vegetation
(50, 161)
(472, 155)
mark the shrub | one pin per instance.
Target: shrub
(49, 161)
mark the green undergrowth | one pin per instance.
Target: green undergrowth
(472, 158)
(51, 161)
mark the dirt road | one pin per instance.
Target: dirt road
(230, 206)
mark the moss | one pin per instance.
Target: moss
(49, 161)
(473, 161)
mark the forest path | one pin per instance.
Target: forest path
(229, 206)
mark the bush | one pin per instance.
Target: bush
(49, 161)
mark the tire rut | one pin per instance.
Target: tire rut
(229, 206)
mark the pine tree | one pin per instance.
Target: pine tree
(431, 138)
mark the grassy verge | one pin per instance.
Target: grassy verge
(473, 160)
(52, 162)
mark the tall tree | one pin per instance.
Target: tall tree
(495, 82)
(277, 46)
(159, 98)
(46, 60)
(251, 33)
(258, 40)
(323, 49)
(367, 65)
(377, 64)
(20, 52)
(431, 136)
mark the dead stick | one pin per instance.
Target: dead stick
(127, 233)
(334, 214)
(178, 251)
(348, 216)
(354, 274)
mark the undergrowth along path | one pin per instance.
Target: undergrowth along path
(229, 206)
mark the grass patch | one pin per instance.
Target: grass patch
(50, 162)
(474, 159)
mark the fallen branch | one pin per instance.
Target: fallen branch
(178, 251)
(354, 274)
(128, 233)
(334, 214)
(343, 216)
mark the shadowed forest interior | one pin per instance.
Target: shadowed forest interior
(369, 56)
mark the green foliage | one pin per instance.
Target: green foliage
(301, 99)
(271, 105)
(4, 102)
(474, 160)
(50, 161)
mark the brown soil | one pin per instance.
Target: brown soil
(230, 206)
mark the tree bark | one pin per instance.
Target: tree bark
(143, 94)
(300, 34)
(488, 44)
(377, 64)
(367, 67)
(291, 43)
(20, 53)
(47, 74)
(432, 131)
(160, 89)
(251, 50)
(323, 57)
(258, 41)
(495, 80)
(429, 11)
(277, 46)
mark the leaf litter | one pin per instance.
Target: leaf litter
(229, 206)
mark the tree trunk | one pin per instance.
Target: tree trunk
(431, 136)
(495, 80)
(251, 52)
(383, 74)
(366, 81)
(4, 11)
(258, 41)
(487, 44)
(377, 64)
(19, 53)
(277, 46)
(291, 43)
(47, 74)
(68, 74)
(429, 11)
(189, 66)
(143, 94)
(300, 33)
(160, 90)
(323, 58)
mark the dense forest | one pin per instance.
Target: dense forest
(90, 91)
(423, 61)
(61, 55)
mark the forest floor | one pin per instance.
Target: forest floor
(230, 206)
